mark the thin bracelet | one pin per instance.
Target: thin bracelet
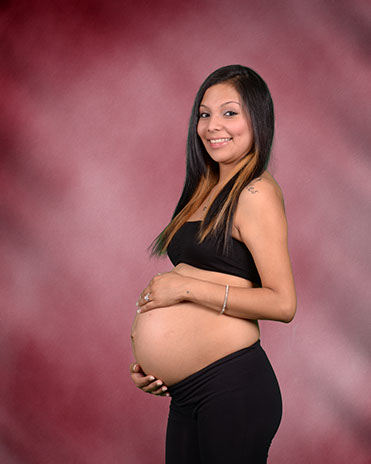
(225, 299)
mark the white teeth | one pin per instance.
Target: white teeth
(220, 140)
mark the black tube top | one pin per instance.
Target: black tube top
(184, 248)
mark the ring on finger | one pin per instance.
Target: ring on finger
(146, 297)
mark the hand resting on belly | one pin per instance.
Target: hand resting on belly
(175, 341)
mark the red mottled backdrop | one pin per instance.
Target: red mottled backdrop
(95, 99)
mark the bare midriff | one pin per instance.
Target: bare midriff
(173, 342)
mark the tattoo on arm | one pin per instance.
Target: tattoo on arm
(252, 188)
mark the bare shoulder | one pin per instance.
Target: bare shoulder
(260, 207)
(263, 190)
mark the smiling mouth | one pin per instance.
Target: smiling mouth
(220, 140)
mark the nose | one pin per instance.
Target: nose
(214, 124)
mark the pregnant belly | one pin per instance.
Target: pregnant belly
(172, 343)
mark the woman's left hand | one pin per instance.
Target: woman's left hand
(164, 289)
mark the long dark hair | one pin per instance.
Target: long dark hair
(202, 172)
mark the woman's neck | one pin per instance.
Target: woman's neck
(227, 171)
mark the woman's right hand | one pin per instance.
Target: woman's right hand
(147, 383)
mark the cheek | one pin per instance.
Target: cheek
(248, 140)
(199, 130)
(244, 133)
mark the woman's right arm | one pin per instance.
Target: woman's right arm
(147, 383)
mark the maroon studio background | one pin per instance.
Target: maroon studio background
(95, 100)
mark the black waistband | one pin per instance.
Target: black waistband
(173, 389)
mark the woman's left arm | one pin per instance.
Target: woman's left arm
(260, 222)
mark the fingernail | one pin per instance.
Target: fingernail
(159, 383)
(139, 311)
(164, 389)
(151, 378)
(136, 304)
(167, 394)
(135, 366)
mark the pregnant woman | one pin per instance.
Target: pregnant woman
(196, 331)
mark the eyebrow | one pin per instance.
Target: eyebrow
(223, 104)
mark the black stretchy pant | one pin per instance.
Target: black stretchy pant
(226, 413)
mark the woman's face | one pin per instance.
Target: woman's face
(223, 126)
